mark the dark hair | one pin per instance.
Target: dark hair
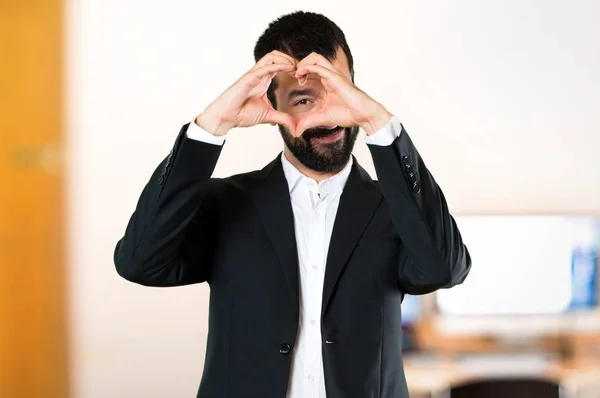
(298, 34)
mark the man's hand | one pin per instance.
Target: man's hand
(245, 103)
(345, 104)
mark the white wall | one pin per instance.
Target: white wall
(500, 97)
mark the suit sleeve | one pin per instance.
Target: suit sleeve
(433, 255)
(170, 235)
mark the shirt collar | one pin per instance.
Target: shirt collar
(294, 177)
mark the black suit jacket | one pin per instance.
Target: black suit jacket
(390, 238)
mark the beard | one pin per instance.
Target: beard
(323, 157)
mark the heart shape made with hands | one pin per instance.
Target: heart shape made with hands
(343, 104)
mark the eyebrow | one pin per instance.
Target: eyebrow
(299, 92)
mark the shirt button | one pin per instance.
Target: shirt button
(315, 267)
(313, 322)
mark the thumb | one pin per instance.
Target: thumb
(284, 119)
(318, 119)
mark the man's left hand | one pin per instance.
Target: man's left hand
(345, 104)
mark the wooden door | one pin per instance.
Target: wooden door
(33, 358)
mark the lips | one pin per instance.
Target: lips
(322, 132)
(329, 136)
(335, 130)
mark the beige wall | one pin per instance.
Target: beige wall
(500, 97)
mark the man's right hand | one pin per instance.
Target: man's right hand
(245, 103)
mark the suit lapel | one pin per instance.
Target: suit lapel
(358, 203)
(270, 194)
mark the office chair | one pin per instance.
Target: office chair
(507, 388)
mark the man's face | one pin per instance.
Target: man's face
(320, 149)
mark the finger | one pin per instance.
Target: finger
(281, 118)
(317, 59)
(316, 69)
(275, 57)
(317, 119)
(256, 82)
(284, 55)
(332, 80)
(313, 59)
(255, 76)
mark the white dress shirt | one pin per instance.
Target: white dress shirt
(315, 206)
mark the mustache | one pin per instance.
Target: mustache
(319, 132)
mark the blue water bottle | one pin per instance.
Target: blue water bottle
(584, 273)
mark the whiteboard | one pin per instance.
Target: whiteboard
(521, 265)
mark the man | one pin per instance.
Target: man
(308, 259)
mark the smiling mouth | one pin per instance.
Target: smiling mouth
(329, 136)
